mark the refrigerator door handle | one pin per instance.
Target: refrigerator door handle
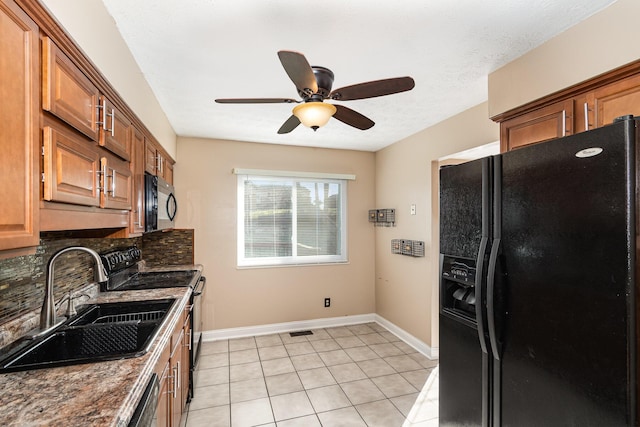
(491, 324)
(479, 297)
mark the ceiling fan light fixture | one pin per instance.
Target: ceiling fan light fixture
(314, 114)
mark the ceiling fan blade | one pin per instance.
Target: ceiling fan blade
(352, 118)
(256, 100)
(373, 89)
(291, 123)
(299, 71)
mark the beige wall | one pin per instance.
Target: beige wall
(406, 288)
(206, 192)
(95, 32)
(598, 44)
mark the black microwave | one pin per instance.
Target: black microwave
(160, 203)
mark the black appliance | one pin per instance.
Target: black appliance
(196, 330)
(160, 203)
(124, 275)
(538, 284)
(145, 412)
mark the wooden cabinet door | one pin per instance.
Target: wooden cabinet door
(114, 130)
(176, 363)
(151, 159)
(67, 92)
(540, 125)
(168, 172)
(162, 415)
(617, 99)
(71, 168)
(116, 182)
(19, 130)
(137, 170)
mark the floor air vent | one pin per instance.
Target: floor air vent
(300, 333)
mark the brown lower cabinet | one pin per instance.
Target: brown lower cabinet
(173, 371)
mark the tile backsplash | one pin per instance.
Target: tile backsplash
(22, 278)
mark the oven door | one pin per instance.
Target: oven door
(196, 328)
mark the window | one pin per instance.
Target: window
(291, 220)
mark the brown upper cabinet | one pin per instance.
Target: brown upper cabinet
(157, 162)
(67, 93)
(114, 129)
(552, 121)
(73, 152)
(615, 100)
(72, 172)
(19, 131)
(116, 182)
(587, 105)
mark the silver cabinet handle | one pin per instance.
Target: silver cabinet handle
(113, 121)
(178, 373)
(102, 176)
(564, 122)
(139, 221)
(105, 189)
(113, 182)
(175, 382)
(100, 108)
(586, 116)
(171, 390)
(104, 116)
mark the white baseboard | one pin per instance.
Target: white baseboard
(278, 328)
(420, 346)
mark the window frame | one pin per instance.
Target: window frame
(293, 260)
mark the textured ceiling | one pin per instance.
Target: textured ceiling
(192, 52)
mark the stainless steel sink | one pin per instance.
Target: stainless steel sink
(99, 332)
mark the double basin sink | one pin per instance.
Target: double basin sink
(99, 332)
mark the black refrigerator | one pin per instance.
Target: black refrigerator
(538, 284)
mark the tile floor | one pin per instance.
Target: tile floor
(358, 375)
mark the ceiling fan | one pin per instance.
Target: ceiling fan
(314, 86)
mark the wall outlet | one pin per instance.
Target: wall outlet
(327, 302)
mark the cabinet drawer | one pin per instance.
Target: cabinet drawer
(67, 92)
(71, 168)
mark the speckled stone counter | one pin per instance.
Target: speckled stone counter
(94, 394)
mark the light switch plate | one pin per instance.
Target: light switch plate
(413, 209)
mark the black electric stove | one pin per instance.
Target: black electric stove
(124, 274)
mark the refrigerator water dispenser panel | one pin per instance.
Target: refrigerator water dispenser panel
(458, 276)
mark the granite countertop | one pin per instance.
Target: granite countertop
(94, 394)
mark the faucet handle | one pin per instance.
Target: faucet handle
(71, 306)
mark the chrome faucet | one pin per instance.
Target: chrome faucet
(48, 313)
